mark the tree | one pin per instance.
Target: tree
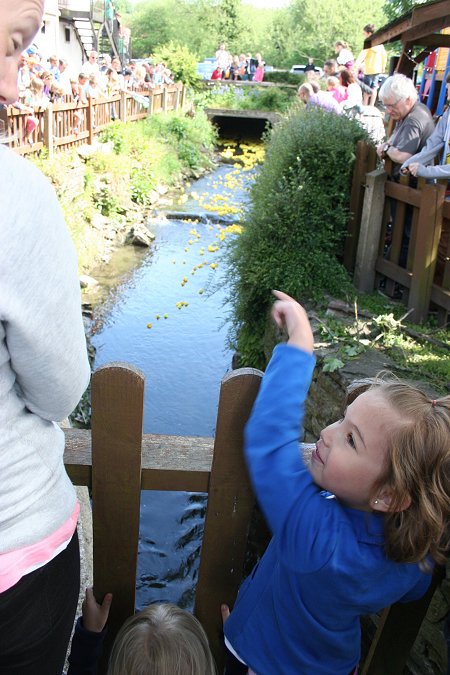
(395, 8)
(230, 28)
(308, 28)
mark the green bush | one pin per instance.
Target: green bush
(284, 77)
(295, 228)
(191, 137)
(181, 61)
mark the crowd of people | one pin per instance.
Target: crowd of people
(242, 67)
(352, 83)
(41, 82)
(356, 527)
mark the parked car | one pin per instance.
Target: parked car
(300, 70)
(206, 67)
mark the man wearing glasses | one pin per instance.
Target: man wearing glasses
(414, 123)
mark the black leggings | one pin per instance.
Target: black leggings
(37, 615)
(233, 666)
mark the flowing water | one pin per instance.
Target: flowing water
(167, 315)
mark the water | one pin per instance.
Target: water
(181, 349)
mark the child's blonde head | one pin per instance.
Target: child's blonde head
(417, 471)
(161, 640)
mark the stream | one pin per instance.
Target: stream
(166, 313)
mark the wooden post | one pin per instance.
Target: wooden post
(90, 121)
(429, 226)
(177, 96)
(123, 106)
(396, 634)
(117, 414)
(366, 160)
(164, 98)
(370, 230)
(48, 130)
(150, 102)
(230, 505)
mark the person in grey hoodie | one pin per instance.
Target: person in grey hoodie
(44, 370)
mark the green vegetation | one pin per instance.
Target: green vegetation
(372, 321)
(181, 61)
(283, 36)
(296, 224)
(162, 150)
(246, 98)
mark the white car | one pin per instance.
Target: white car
(300, 70)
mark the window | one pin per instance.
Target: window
(67, 33)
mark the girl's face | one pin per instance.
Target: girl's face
(350, 453)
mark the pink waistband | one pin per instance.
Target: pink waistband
(16, 564)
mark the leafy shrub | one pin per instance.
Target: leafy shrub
(181, 61)
(191, 138)
(284, 77)
(296, 225)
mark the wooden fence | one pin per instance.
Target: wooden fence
(116, 462)
(373, 250)
(65, 125)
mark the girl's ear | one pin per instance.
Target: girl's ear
(382, 502)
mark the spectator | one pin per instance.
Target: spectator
(330, 69)
(242, 71)
(438, 144)
(47, 79)
(336, 89)
(372, 62)
(43, 372)
(64, 77)
(24, 75)
(223, 59)
(320, 99)
(414, 125)
(354, 95)
(160, 639)
(234, 68)
(259, 72)
(93, 90)
(53, 66)
(310, 65)
(217, 73)
(91, 65)
(345, 58)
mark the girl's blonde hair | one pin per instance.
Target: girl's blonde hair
(161, 640)
(417, 470)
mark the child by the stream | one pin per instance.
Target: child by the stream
(162, 639)
(355, 530)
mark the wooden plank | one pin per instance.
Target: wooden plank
(393, 271)
(117, 414)
(189, 455)
(425, 28)
(402, 193)
(371, 226)
(230, 504)
(424, 261)
(366, 161)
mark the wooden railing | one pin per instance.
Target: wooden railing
(424, 283)
(116, 462)
(65, 125)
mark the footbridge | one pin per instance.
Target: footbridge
(246, 122)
